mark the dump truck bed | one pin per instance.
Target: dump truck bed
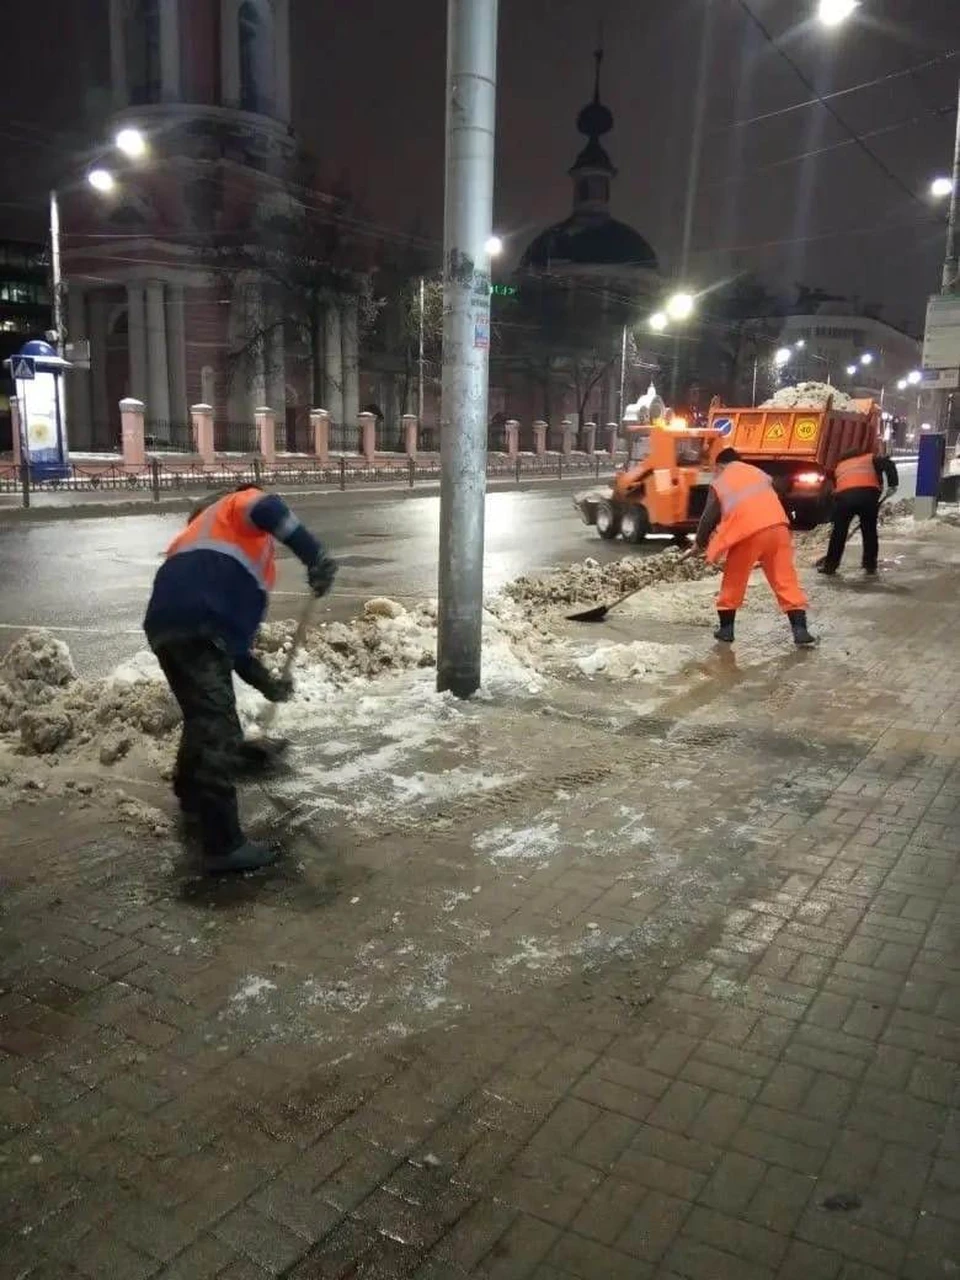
(816, 436)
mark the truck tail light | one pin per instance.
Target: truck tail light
(808, 478)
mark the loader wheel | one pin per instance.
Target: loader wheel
(634, 524)
(608, 522)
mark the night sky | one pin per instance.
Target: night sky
(368, 101)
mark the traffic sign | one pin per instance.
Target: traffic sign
(22, 368)
(723, 425)
(941, 339)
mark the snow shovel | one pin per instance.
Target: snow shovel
(269, 712)
(597, 612)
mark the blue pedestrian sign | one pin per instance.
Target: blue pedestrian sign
(723, 425)
(22, 368)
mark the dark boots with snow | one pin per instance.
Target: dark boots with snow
(724, 633)
(798, 624)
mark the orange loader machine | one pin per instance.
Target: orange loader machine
(663, 488)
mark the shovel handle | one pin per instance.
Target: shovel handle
(269, 712)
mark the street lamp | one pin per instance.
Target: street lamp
(833, 12)
(914, 376)
(658, 321)
(101, 180)
(941, 187)
(131, 142)
(680, 306)
(800, 344)
(866, 358)
(781, 356)
(494, 247)
(851, 370)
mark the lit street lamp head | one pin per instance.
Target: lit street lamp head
(866, 358)
(131, 142)
(680, 306)
(101, 180)
(800, 344)
(902, 384)
(941, 187)
(658, 321)
(851, 370)
(494, 247)
(781, 356)
(914, 376)
(833, 12)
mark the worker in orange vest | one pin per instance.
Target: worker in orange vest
(209, 598)
(744, 522)
(857, 489)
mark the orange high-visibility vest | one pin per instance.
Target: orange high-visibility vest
(748, 505)
(856, 473)
(226, 527)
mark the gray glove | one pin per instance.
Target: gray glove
(321, 574)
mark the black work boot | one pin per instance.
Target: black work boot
(798, 624)
(724, 633)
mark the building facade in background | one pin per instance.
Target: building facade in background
(176, 276)
(25, 312)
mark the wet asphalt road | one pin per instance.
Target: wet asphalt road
(89, 579)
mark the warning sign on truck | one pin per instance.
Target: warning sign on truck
(776, 431)
(806, 428)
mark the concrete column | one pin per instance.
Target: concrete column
(132, 433)
(177, 355)
(15, 429)
(512, 428)
(410, 428)
(333, 365)
(201, 416)
(368, 436)
(158, 371)
(266, 421)
(539, 437)
(568, 431)
(320, 422)
(77, 383)
(170, 52)
(351, 362)
(590, 438)
(613, 433)
(276, 371)
(137, 340)
(98, 361)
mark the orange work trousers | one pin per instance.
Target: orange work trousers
(772, 550)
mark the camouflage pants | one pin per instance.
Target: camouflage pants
(200, 674)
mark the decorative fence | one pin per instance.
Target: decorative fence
(159, 476)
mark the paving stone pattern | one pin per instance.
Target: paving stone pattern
(775, 1030)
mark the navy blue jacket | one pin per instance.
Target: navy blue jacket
(209, 593)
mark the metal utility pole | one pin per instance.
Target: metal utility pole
(951, 267)
(468, 224)
(623, 376)
(56, 278)
(420, 364)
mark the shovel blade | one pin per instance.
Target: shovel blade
(596, 614)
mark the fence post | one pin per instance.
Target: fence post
(512, 429)
(155, 478)
(257, 474)
(516, 464)
(540, 438)
(368, 437)
(25, 481)
(266, 421)
(201, 419)
(411, 470)
(410, 428)
(320, 421)
(596, 466)
(559, 466)
(343, 473)
(132, 440)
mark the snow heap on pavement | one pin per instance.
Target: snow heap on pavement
(591, 583)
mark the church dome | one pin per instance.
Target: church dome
(590, 242)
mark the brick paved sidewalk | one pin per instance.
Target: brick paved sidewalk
(704, 1023)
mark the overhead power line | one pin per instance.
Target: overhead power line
(831, 111)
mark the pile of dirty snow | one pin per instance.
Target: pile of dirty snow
(808, 395)
(34, 670)
(640, 658)
(591, 583)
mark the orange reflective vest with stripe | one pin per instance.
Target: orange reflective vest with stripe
(856, 473)
(226, 527)
(748, 505)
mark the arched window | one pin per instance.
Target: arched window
(255, 31)
(143, 50)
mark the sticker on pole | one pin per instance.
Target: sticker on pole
(481, 335)
(22, 368)
(723, 425)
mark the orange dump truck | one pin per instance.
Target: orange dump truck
(797, 447)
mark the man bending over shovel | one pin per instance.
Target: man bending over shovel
(209, 598)
(744, 522)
